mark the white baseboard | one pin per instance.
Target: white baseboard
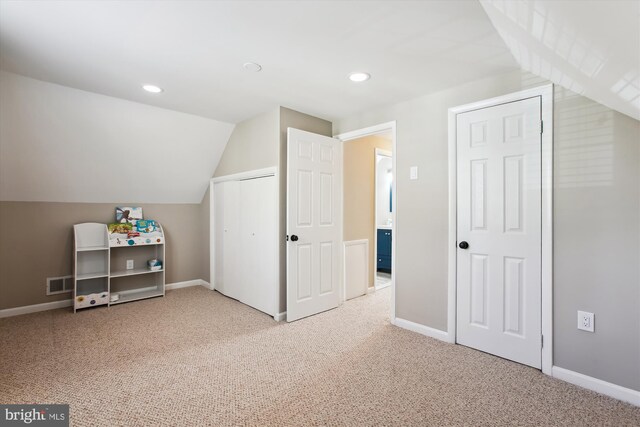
(421, 329)
(612, 390)
(16, 311)
(280, 316)
(186, 284)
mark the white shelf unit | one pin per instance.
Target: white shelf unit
(100, 261)
(139, 282)
(90, 265)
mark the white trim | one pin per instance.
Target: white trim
(279, 240)
(257, 173)
(279, 317)
(546, 94)
(359, 242)
(372, 289)
(421, 329)
(609, 389)
(186, 284)
(372, 130)
(35, 308)
(212, 236)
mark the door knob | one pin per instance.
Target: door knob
(463, 245)
(294, 238)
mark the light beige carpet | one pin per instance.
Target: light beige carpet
(195, 357)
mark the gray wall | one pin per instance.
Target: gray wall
(596, 219)
(37, 242)
(596, 239)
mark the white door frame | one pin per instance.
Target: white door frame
(546, 95)
(372, 130)
(257, 173)
(378, 152)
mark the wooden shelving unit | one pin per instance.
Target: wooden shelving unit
(100, 261)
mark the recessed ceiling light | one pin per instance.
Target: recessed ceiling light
(359, 76)
(152, 88)
(252, 66)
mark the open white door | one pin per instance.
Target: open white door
(499, 230)
(314, 223)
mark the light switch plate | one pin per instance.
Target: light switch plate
(413, 172)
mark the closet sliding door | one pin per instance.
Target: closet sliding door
(246, 241)
(231, 252)
(258, 243)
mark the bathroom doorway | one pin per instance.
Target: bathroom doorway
(368, 211)
(383, 184)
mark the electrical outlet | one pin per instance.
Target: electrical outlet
(129, 264)
(586, 321)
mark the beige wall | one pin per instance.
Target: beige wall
(359, 191)
(596, 220)
(37, 242)
(252, 145)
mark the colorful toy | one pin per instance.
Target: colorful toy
(118, 228)
(128, 214)
(146, 225)
(154, 264)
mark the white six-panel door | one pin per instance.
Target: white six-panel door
(499, 217)
(314, 216)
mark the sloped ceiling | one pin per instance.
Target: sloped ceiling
(195, 51)
(589, 47)
(66, 145)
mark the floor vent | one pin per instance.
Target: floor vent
(59, 285)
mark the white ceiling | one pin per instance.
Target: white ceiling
(195, 51)
(589, 47)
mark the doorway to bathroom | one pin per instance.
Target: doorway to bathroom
(383, 215)
(368, 209)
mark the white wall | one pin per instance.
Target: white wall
(59, 144)
(596, 219)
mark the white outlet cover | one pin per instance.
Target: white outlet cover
(586, 321)
(129, 264)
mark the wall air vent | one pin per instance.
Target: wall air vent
(59, 285)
